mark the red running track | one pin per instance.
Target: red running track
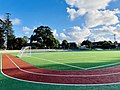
(16, 68)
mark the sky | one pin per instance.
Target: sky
(72, 20)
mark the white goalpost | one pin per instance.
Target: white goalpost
(25, 52)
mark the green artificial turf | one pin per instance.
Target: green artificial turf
(11, 84)
(84, 59)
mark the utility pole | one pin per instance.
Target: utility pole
(6, 28)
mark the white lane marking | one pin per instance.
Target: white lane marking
(58, 84)
(61, 75)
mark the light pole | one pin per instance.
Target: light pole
(115, 42)
(114, 37)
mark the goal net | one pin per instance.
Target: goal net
(25, 52)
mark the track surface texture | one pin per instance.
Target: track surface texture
(16, 68)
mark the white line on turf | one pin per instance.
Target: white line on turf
(96, 67)
(57, 83)
(59, 63)
(103, 66)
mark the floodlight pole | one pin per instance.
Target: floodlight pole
(114, 37)
(115, 41)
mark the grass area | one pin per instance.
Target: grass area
(85, 59)
(11, 84)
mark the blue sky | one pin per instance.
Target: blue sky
(74, 20)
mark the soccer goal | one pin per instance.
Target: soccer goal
(25, 52)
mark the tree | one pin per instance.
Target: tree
(65, 44)
(87, 43)
(19, 43)
(106, 44)
(10, 33)
(6, 34)
(44, 38)
(73, 45)
(56, 44)
(1, 34)
(51, 42)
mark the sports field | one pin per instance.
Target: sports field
(85, 60)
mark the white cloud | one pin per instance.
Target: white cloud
(106, 33)
(75, 34)
(64, 36)
(94, 11)
(88, 4)
(55, 33)
(26, 30)
(16, 21)
(84, 6)
(117, 30)
(106, 17)
(101, 23)
(102, 38)
(1, 17)
(73, 14)
(107, 30)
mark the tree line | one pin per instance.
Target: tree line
(42, 38)
(7, 35)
